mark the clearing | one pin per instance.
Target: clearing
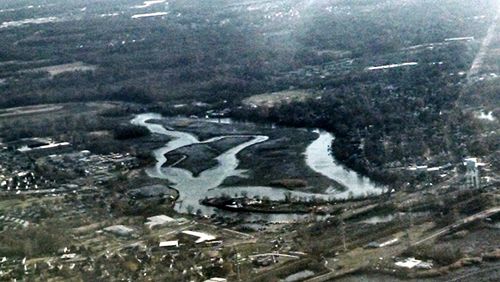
(276, 98)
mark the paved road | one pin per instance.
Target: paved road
(274, 254)
(483, 214)
(459, 223)
(469, 276)
(483, 51)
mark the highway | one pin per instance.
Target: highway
(461, 222)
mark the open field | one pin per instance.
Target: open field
(29, 110)
(274, 99)
(59, 69)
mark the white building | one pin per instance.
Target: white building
(201, 237)
(472, 173)
(216, 279)
(119, 230)
(159, 221)
(169, 244)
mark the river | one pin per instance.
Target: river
(320, 160)
(193, 189)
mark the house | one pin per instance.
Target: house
(374, 245)
(411, 263)
(216, 279)
(68, 256)
(169, 244)
(159, 221)
(119, 230)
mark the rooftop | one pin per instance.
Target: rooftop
(174, 243)
(202, 237)
(120, 230)
(158, 220)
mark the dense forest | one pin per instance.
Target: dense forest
(201, 57)
(220, 51)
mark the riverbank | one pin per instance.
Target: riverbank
(200, 157)
(244, 204)
(279, 158)
(195, 187)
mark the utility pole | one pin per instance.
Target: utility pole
(342, 230)
(409, 226)
(238, 256)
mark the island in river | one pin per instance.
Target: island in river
(246, 158)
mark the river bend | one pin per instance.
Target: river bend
(193, 189)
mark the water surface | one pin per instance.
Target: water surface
(207, 184)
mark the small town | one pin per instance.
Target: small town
(96, 230)
(250, 141)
